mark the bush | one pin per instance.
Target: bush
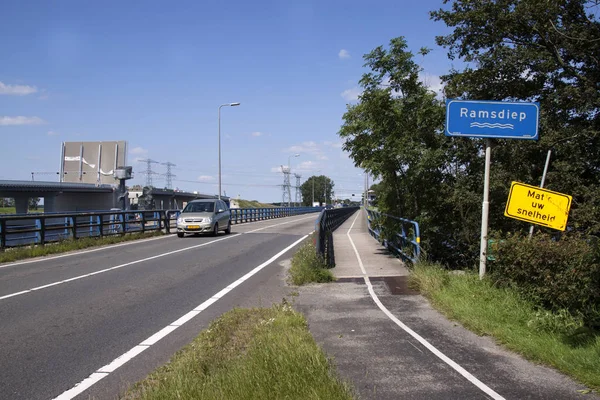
(308, 266)
(556, 274)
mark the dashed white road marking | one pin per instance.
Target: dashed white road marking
(482, 386)
(143, 260)
(104, 371)
(115, 267)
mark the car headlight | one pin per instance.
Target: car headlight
(208, 220)
(179, 220)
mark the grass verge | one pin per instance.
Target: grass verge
(13, 210)
(542, 337)
(21, 253)
(259, 353)
(254, 204)
(308, 266)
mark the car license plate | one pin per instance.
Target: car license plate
(193, 226)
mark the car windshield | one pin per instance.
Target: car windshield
(207, 206)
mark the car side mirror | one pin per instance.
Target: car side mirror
(220, 210)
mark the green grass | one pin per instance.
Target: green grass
(20, 253)
(260, 353)
(254, 204)
(308, 266)
(13, 210)
(555, 340)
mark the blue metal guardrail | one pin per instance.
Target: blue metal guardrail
(406, 243)
(28, 229)
(327, 222)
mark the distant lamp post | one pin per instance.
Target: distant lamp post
(289, 161)
(313, 189)
(222, 105)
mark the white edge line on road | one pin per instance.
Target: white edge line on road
(486, 389)
(142, 260)
(112, 246)
(134, 351)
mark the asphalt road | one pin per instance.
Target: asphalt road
(64, 318)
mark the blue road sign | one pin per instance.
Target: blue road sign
(492, 119)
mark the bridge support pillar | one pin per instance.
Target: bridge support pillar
(21, 204)
(49, 203)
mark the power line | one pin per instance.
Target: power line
(228, 184)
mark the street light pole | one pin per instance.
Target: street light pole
(313, 191)
(222, 105)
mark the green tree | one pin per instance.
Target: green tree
(33, 203)
(396, 133)
(323, 190)
(544, 51)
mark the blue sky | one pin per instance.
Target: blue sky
(154, 74)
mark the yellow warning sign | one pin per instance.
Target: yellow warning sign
(538, 206)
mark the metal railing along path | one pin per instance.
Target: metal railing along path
(39, 229)
(328, 221)
(405, 241)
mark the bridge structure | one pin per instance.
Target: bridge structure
(72, 197)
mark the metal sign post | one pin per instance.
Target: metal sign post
(542, 184)
(485, 209)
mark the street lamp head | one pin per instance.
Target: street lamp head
(296, 155)
(234, 104)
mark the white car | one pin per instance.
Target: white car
(204, 216)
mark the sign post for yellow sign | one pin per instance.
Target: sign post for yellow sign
(538, 206)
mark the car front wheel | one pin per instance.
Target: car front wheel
(228, 230)
(216, 230)
(180, 234)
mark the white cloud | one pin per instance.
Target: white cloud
(311, 148)
(17, 90)
(52, 133)
(6, 121)
(206, 178)
(351, 94)
(257, 134)
(434, 83)
(306, 165)
(335, 145)
(343, 54)
(137, 151)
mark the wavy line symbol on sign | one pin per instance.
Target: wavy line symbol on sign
(492, 126)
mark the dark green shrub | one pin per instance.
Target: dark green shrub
(557, 274)
(308, 266)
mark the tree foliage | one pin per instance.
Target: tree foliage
(544, 51)
(395, 132)
(323, 190)
(33, 203)
(531, 50)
